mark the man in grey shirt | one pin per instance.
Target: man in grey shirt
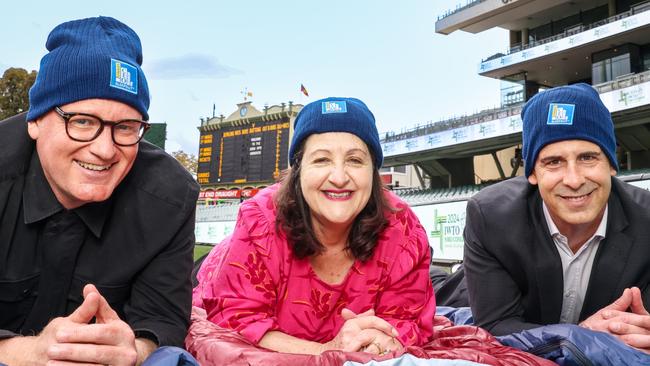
(568, 243)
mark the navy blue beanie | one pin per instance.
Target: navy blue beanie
(90, 58)
(337, 115)
(573, 112)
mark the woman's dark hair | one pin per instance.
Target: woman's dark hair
(294, 216)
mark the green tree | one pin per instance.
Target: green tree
(189, 161)
(14, 91)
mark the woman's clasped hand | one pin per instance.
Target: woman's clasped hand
(365, 332)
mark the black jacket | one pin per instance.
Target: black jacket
(513, 269)
(136, 247)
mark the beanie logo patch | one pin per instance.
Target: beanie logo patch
(334, 106)
(124, 76)
(560, 114)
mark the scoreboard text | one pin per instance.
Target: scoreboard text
(240, 154)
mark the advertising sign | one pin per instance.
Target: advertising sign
(444, 224)
(213, 232)
(626, 98)
(228, 193)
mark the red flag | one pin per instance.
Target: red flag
(304, 90)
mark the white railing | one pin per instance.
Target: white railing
(569, 31)
(623, 82)
(456, 122)
(459, 7)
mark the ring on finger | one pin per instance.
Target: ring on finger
(380, 350)
(366, 348)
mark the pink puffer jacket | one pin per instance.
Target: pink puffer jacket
(213, 345)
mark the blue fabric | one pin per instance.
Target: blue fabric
(568, 344)
(565, 344)
(583, 117)
(410, 360)
(90, 58)
(170, 356)
(345, 115)
(458, 316)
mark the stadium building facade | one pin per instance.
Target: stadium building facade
(605, 43)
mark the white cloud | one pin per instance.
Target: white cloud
(190, 66)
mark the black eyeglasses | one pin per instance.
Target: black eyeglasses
(84, 127)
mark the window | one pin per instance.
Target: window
(400, 169)
(394, 169)
(621, 65)
(511, 93)
(610, 68)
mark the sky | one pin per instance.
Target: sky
(200, 54)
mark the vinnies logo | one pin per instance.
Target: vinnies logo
(124, 76)
(335, 106)
(560, 114)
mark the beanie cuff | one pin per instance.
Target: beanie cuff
(93, 58)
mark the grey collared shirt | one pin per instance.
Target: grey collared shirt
(576, 267)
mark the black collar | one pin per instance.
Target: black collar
(39, 202)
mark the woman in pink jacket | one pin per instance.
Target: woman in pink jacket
(327, 259)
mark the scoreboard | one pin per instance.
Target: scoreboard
(255, 152)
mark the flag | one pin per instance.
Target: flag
(247, 94)
(304, 90)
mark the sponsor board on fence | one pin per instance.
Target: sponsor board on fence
(444, 224)
(213, 232)
(228, 193)
(627, 98)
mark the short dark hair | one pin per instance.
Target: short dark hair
(293, 216)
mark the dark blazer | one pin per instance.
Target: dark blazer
(136, 246)
(513, 269)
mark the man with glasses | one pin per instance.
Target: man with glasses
(96, 227)
(84, 127)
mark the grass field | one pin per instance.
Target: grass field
(199, 250)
